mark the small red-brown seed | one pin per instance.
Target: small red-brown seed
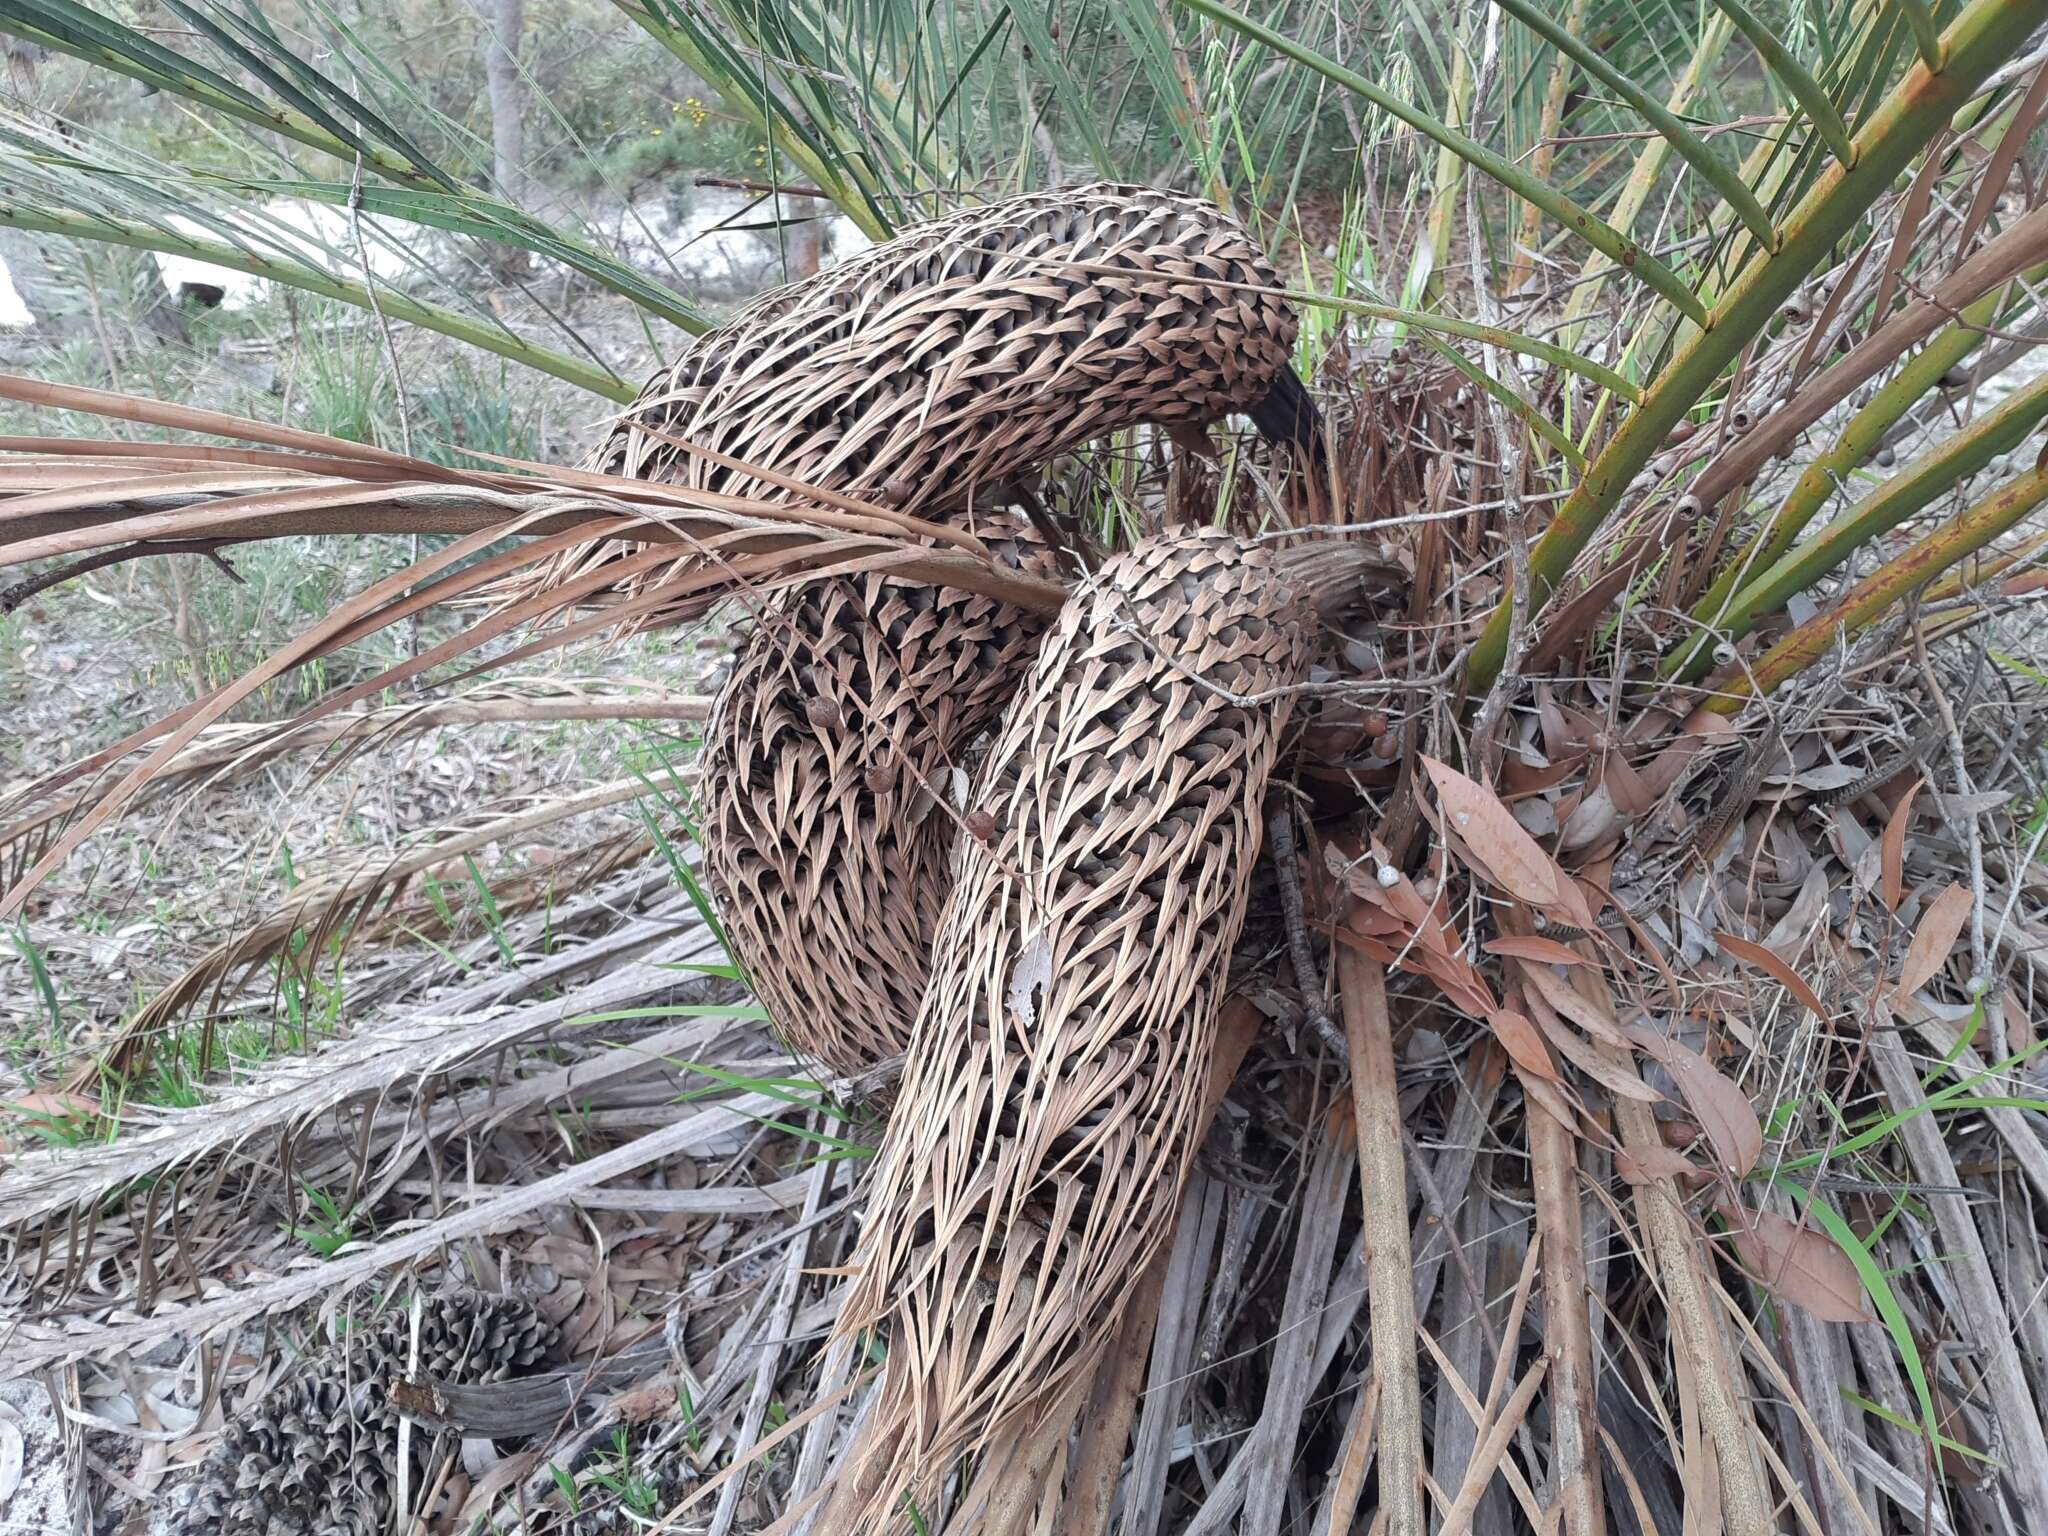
(1387, 746)
(980, 826)
(1375, 724)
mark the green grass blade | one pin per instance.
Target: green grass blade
(1596, 232)
(1806, 90)
(1879, 1288)
(1689, 146)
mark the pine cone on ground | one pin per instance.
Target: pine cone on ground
(318, 1456)
(1049, 1107)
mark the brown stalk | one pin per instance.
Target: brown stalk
(1574, 1417)
(1492, 1452)
(1352, 1462)
(1383, 1184)
(1695, 1322)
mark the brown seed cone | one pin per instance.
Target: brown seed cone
(318, 1455)
(972, 348)
(828, 775)
(1049, 1106)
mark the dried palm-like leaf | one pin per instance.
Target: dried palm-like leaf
(319, 1454)
(831, 768)
(1050, 1103)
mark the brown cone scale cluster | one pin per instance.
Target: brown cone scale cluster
(927, 372)
(318, 1455)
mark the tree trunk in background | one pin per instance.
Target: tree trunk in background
(58, 314)
(508, 120)
(803, 238)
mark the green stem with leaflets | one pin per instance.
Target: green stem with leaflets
(1690, 147)
(1826, 474)
(1904, 494)
(279, 120)
(855, 201)
(1949, 545)
(1793, 75)
(1981, 38)
(1600, 235)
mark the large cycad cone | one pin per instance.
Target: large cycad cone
(974, 347)
(928, 370)
(1050, 1104)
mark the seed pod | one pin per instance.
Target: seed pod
(823, 842)
(1059, 1061)
(318, 1454)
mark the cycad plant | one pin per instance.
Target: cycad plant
(1654, 839)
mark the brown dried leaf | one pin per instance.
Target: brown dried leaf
(1529, 946)
(1646, 1165)
(1892, 884)
(1625, 787)
(1523, 1042)
(1591, 1015)
(1939, 925)
(1509, 856)
(1723, 1109)
(1797, 1264)
(1772, 964)
(1602, 1069)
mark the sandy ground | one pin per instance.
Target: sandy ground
(33, 1499)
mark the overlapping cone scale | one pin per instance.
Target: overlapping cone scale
(972, 348)
(1051, 1099)
(318, 1454)
(830, 770)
